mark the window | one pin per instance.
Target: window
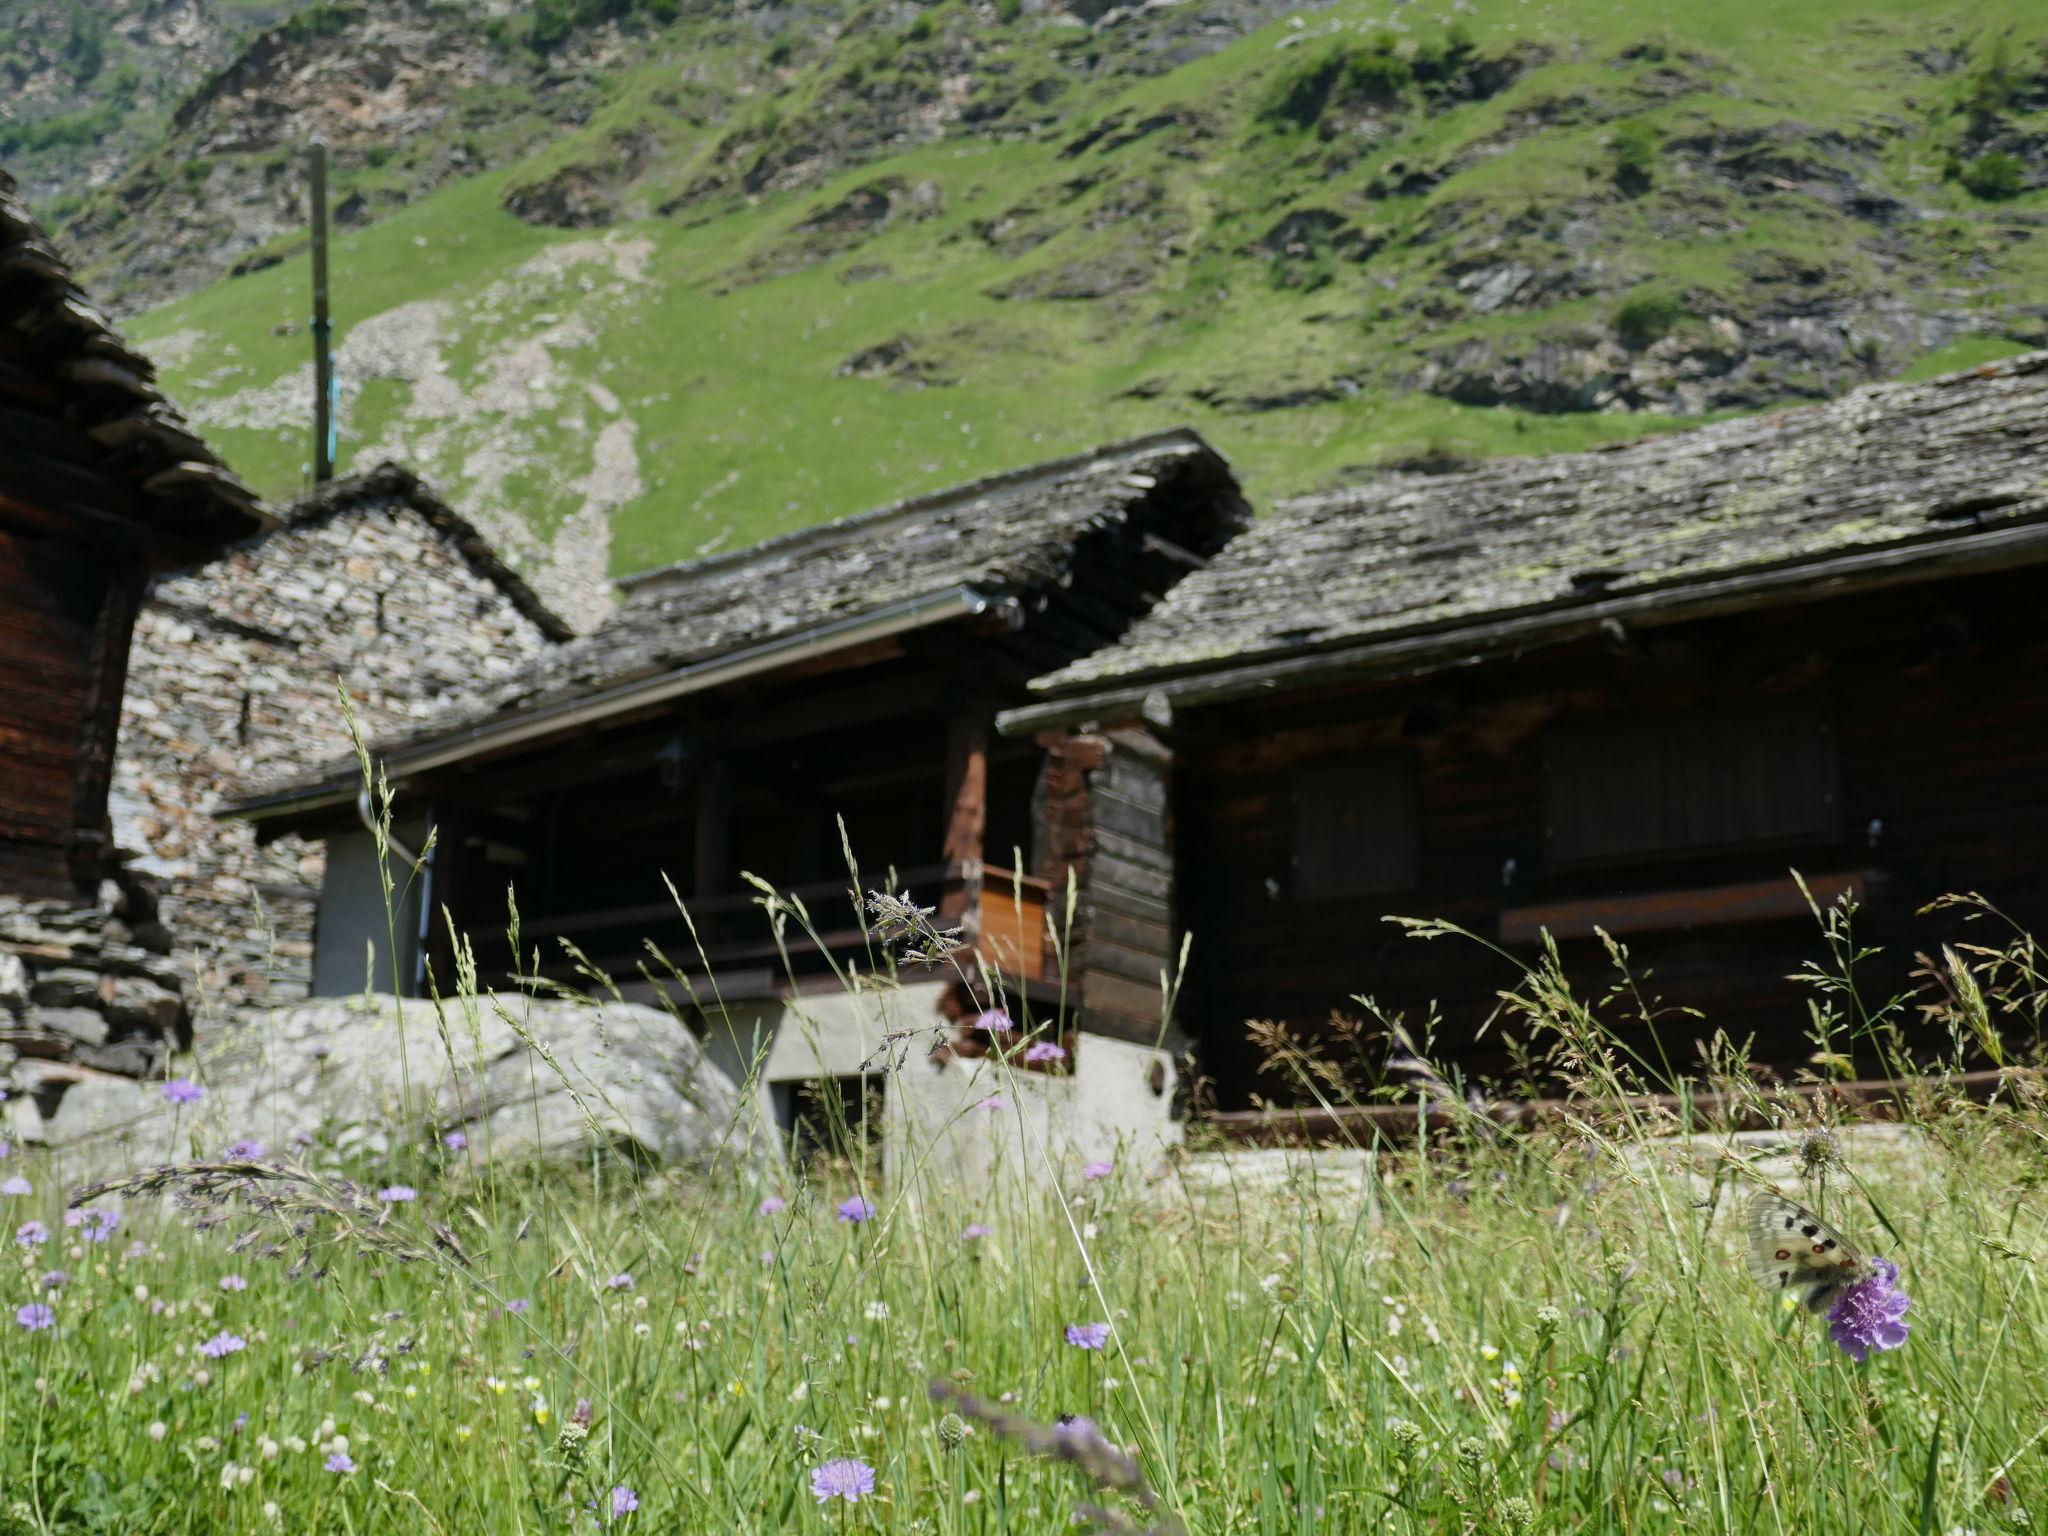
(1355, 825)
(1715, 780)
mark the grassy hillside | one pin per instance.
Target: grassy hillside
(771, 278)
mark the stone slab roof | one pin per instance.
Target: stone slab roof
(1888, 467)
(1008, 533)
(88, 432)
(1022, 535)
(394, 482)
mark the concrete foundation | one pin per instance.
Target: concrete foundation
(1116, 1103)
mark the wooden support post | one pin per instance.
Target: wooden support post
(967, 737)
(92, 844)
(710, 875)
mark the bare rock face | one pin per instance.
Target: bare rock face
(517, 1079)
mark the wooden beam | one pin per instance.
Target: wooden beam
(1363, 1124)
(967, 739)
(106, 680)
(1755, 901)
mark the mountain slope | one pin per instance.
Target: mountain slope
(740, 271)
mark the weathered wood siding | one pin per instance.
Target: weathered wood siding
(1939, 704)
(1127, 935)
(56, 716)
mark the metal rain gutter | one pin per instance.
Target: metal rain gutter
(698, 677)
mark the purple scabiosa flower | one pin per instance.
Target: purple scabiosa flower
(1088, 1335)
(340, 1463)
(302, 1138)
(321, 1051)
(518, 1306)
(1045, 1050)
(848, 1478)
(771, 1205)
(222, 1344)
(16, 1185)
(1077, 1427)
(995, 1020)
(975, 1231)
(56, 1279)
(94, 1224)
(397, 1194)
(856, 1210)
(245, 1150)
(6, 1147)
(455, 1141)
(1870, 1316)
(993, 1102)
(182, 1090)
(35, 1317)
(233, 1283)
(29, 1233)
(619, 1282)
(1098, 1170)
(241, 1422)
(624, 1501)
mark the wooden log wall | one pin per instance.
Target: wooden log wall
(1939, 700)
(58, 644)
(1103, 811)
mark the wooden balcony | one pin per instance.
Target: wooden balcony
(728, 940)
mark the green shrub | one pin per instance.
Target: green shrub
(1007, 11)
(1636, 148)
(1647, 318)
(1298, 96)
(1994, 177)
(1376, 74)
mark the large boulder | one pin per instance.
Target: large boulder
(517, 1077)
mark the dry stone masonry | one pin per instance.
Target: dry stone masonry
(371, 585)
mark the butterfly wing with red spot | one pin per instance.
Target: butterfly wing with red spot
(1794, 1251)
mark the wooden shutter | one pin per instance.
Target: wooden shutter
(1355, 825)
(1701, 781)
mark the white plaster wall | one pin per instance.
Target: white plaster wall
(936, 1137)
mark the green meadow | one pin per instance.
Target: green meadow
(1516, 1325)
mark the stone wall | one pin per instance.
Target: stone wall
(85, 988)
(371, 584)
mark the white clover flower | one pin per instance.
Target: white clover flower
(157, 1430)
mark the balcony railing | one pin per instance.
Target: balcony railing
(1001, 914)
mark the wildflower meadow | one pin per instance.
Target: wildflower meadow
(1514, 1323)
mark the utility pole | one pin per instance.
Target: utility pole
(323, 353)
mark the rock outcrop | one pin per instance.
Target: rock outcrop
(514, 1078)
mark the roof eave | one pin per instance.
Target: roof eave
(1158, 691)
(567, 715)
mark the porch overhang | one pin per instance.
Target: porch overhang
(565, 716)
